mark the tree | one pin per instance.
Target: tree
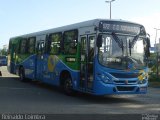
(3, 52)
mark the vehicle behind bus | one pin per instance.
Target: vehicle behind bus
(98, 57)
(3, 60)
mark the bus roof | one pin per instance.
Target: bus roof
(94, 22)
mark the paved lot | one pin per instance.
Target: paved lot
(34, 97)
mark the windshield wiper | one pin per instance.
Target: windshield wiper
(134, 41)
(131, 44)
(120, 42)
(130, 47)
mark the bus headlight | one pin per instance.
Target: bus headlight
(142, 81)
(142, 78)
(105, 78)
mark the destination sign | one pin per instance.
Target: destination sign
(120, 27)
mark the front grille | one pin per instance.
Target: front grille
(125, 75)
(124, 82)
(121, 88)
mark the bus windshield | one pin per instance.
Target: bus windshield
(122, 52)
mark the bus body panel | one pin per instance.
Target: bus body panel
(123, 82)
(29, 66)
(48, 68)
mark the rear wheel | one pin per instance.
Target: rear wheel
(22, 74)
(68, 86)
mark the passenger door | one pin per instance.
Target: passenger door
(40, 57)
(86, 62)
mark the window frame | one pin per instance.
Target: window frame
(29, 45)
(59, 42)
(24, 48)
(40, 47)
(76, 42)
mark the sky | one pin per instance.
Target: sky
(18, 17)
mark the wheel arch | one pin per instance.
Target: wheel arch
(19, 68)
(63, 75)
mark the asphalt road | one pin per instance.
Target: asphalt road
(35, 97)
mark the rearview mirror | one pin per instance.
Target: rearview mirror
(99, 41)
(148, 47)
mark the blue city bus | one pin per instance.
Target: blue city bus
(98, 57)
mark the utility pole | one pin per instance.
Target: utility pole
(110, 3)
(156, 49)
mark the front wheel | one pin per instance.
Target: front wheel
(22, 74)
(68, 86)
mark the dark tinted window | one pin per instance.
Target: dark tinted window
(55, 40)
(23, 46)
(31, 45)
(70, 42)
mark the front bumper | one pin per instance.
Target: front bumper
(102, 88)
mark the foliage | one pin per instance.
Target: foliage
(153, 68)
(3, 52)
(153, 78)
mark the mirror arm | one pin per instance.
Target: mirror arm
(99, 41)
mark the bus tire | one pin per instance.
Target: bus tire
(68, 86)
(22, 74)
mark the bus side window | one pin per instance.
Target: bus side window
(31, 45)
(23, 46)
(40, 48)
(91, 48)
(55, 43)
(70, 42)
(17, 46)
